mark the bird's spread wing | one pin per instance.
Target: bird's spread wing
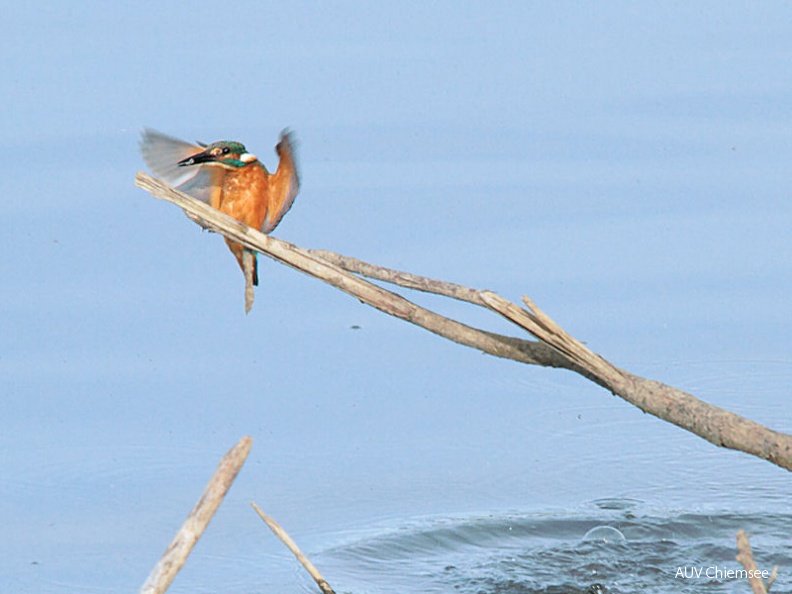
(162, 154)
(283, 184)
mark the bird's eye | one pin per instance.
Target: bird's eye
(226, 150)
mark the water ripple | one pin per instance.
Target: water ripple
(553, 553)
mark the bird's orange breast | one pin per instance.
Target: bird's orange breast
(244, 194)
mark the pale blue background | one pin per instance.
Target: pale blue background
(627, 165)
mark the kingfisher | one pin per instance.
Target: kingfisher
(232, 180)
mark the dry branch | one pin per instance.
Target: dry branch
(176, 555)
(555, 348)
(284, 537)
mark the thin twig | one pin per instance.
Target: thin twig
(555, 348)
(284, 537)
(746, 559)
(176, 554)
(407, 280)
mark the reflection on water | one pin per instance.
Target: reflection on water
(610, 546)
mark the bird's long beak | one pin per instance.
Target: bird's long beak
(197, 159)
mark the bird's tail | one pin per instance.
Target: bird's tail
(247, 260)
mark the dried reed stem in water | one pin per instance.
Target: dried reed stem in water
(284, 537)
(746, 559)
(176, 555)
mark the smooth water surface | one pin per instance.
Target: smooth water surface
(626, 166)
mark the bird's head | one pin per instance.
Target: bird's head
(225, 153)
